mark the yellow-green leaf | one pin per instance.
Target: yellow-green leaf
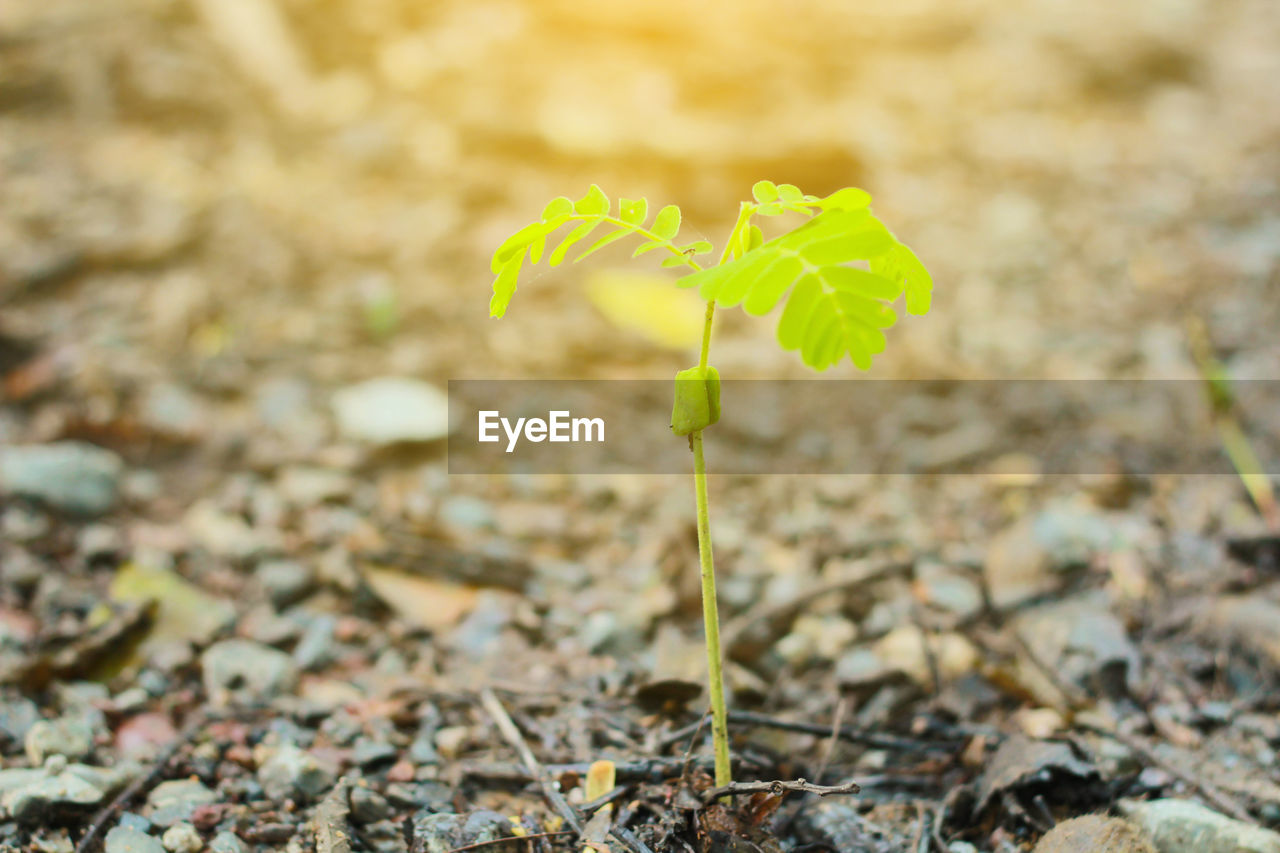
(667, 223)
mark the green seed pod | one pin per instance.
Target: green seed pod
(697, 400)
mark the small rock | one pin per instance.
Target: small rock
(308, 486)
(293, 773)
(1183, 826)
(16, 719)
(368, 753)
(182, 837)
(1017, 566)
(285, 581)
(227, 842)
(72, 476)
(51, 797)
(390, 410)
(223, 534)
(450, 740)
(440, 833)
(245, 669)
(1094, 834)
(315, 649)
(177, 800)
(368, 806)
(910, 650)
(124, 839)
(71, 737)
(1084, 644)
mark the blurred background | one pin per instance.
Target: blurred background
(244, 244)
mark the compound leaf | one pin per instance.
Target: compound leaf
(790, 192)
(795, 316)
(594, 203)
(572, 237)
(768, 288)
(764, 191)
(504, 286)
(667, 223)
(901, 265)
(633, 211)
(611, 237)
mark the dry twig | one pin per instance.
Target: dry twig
(778, 787)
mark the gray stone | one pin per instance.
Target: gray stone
(124, 839)
(316, 647)
(16, 719)
(71, 737)
(72, 476)
(285, 581)
(177, 800)
(227, 842)
(65, 792)
(1183, 826)
(182, 837)
(441, 833)
(368, 806)
(243, 669)
(293, 773)
(392, 409)
(369, 752)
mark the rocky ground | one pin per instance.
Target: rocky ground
(238, 613)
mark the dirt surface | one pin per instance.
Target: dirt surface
(235, 616)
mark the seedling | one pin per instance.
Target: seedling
(839, 274)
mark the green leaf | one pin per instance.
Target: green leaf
(516, 243)
(729, 290)
(755, 237)
(862, 282)
(573, 236)
(764, 191)
(676, 261)
(594, 203)
(633, 211)
(860, 245)
(698, 247)
(558, 207)
(648, 247)
(769, 286)
(821, 329)
(536, 248)
(667, 223)
(901, 265)
(611, 237)
(790, 192)
(773, 208)
(504, 286)
(795, 316)
(824, 226)
(849, 198)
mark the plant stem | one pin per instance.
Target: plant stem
(711, 617)
(710, 610)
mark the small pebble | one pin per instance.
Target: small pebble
(124, 839)
(182, 837)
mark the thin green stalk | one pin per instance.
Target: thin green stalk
(710, 611)
(711, 618)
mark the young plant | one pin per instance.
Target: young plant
(838, 273)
